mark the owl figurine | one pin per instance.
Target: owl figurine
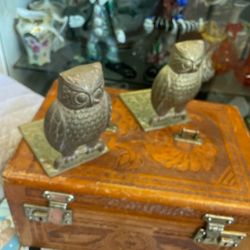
(79, 115)
(179, 81)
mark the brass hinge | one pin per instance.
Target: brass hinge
(188, 136)
(215, 233)
(56, 212)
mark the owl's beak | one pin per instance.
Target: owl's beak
(96, 101)
(195, 67)
(93, 101)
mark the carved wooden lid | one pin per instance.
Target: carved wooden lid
(150, 173)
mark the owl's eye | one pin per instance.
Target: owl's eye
(98, 93)
(81, 98)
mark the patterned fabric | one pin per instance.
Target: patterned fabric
(18, 106)
(8, 237)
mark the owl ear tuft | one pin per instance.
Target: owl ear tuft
(65, 78)
(190, 49)
(97, 65)
(61, 79)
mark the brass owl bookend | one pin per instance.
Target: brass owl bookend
(178, 82)
(174, 86)
(81, 113)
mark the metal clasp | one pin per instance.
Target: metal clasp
(215, 233)
(56, 212)
(189, 136)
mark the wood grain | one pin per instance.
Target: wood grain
(146, 177)
(104, 230)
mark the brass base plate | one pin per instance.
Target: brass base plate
(139, 104)
(46, 155)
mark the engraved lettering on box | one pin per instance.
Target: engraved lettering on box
(140, 207)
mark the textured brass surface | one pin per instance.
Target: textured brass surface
(139, 103)
(189, 136)
(46, 155)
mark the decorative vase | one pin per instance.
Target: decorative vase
(225, 56)
(37, 33)
(54, 10)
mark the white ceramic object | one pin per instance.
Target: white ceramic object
(38, 34)
(54, 10)
(48, 6)
(59, 24)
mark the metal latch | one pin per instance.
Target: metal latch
(56, 212)
(189, 136)
(215, 234)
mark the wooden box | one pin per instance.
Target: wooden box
(148, 192)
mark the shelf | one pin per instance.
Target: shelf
(74, 54)
(60, 60)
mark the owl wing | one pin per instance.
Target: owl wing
(54, 127)
(162, 93)
(207, 69)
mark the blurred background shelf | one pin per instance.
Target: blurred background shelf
(226, 84)
(40, 78)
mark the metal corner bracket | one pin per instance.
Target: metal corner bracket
(215, 233)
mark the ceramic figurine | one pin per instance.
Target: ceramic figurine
(79, 115)
(77, 14)
(169, 23)
(229, 51)
(179, 81)
(238, 29)
(172, 26)
(38, 34)
(54, 10)
(104, 27)
(131, 13)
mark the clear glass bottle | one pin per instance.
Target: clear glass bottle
(217, 17)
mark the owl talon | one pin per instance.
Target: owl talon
(181, 114)
(61, 162)
(99, 146)
(153, 121)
